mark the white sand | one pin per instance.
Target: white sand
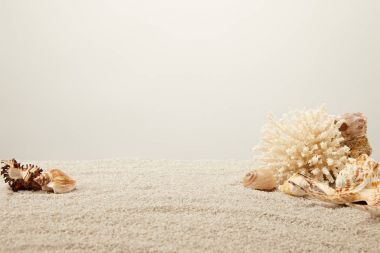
(174, 206)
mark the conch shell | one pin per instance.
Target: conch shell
(354, 132)
(260, 179)
(353, 125)
(55, 180)
(20, 177)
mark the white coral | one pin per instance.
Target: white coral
(303, 141)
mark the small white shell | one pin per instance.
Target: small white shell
(295, 186)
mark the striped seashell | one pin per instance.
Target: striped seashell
(358, 182)
(358, 174)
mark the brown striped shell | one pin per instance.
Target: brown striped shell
(358, 174)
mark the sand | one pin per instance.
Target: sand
(174, 206)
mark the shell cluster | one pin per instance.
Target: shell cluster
(358, 182)
(32, 177)
(312, 154)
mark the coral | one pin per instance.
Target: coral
(358, 146)
(303, 141)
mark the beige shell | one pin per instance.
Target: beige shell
(55, 180)
(260, 179)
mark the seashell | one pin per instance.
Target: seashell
(55, 180)
(359, 181)
(20, 177)
(358, 174)
(260, 179)
(353, 125)
(291, 186)
(354, 132)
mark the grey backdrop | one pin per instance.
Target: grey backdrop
(177, 79)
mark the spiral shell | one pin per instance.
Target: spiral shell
(260, 179)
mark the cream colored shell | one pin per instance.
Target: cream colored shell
(291, 186)
(56, 181)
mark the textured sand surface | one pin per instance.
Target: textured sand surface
(174, 206)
